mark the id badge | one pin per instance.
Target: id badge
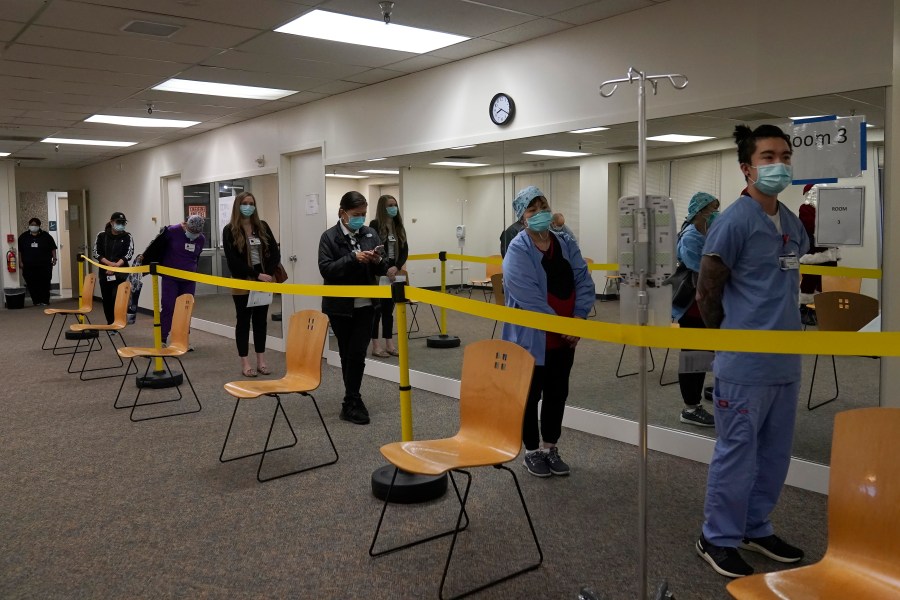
(189, 247)
(34, 244)
(110, 277)
(254, 241)
(789, 262)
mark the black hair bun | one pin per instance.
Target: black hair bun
(741, 133)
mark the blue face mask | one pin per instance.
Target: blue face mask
(354, 223)
(191, 236)
(709, 220)
(540, 221)
(773, 179)
(247, 210)
(392, 211)
(119, 227)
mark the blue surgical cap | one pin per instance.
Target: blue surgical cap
(524, 198)
(699, 201)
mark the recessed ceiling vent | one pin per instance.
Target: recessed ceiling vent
(623, 148)
(151, 28)
(19, 138)
(461, 157)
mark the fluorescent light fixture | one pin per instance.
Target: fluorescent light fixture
(589, 130)
(462, 147)
(451, 163)
(556, 153)
(139, 121)
(381, 171)
(807, 117)
(189, 86)
(4, 153)
(87, 142)
(368, 32)
(342, 176)
(374, 159)
(679, 138)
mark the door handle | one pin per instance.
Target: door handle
(293, 258)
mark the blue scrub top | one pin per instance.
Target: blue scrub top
(759, 295)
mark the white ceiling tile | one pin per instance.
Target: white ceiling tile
(261, 14)
(101, 92)
(21, 11)
(374, 76)
(265, 63)
(283, 45)
(596, 11)
(74, 74)
(419, 63)
(195, 99)
(241, 77)
(528, 31)
(8, 30)
(94, 60)
(534, 7)
(337, 87)
(137, 107)
(468, 48)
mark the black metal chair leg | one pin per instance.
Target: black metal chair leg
(269, 436)
(87, 358)
(179, 398)
(44, 345)
(228, 434)
(837, 389)
(622, 355)
(662, 371)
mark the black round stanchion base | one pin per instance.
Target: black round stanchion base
(442, 341)
(82, 335)
(409, 488)
(276, 316)
(158, 380)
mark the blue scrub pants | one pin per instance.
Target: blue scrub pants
(754, 432)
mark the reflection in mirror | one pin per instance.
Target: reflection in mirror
(214, 201)
(597, 167)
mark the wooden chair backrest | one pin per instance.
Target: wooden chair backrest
(864, 490)
(490, 270)
(86, 302)
(844, 311)
(305, 343)
(831, 283)
(123, 295)
(181, 322)
(497, 286)
(493, 391)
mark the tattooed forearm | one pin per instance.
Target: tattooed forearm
(710, 287)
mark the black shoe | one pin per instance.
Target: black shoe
(774, 547)
(355, 413)
(724, 560)
(697, 416)
(536, 464)
(555, 463)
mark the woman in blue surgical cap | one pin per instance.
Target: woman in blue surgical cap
(544, 272)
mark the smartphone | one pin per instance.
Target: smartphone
(379, 250)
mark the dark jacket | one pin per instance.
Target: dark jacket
(37, 256)
(402, 253)
(114, 248)
(508, 235)
(338, 266)
(239, 262)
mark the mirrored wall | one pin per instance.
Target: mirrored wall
(583, 175)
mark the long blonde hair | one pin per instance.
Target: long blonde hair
(237, 230)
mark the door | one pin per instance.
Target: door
(80, 241)
(65, 266)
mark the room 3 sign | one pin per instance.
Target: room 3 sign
(502, 109)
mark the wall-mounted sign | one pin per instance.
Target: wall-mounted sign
(196, 209)
(826, 148)
(840, 215)
(51, 225)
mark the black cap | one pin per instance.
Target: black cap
(117, 216)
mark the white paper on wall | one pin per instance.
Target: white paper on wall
(839, 216)
(826, 148)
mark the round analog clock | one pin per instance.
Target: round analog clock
(502, 109)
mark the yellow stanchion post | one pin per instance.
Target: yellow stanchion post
(443, 340)
(161, 377)
(157, 325)
(81, 283)
(405, 488)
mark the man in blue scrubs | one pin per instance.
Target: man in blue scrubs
(749, 279)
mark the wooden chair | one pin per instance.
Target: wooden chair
(833, 283)
(840, 311)
(304, 345)
(123, 294)
(85, 306)
(593, 312)
(499, 298)
(485, 284)
(414, 321)
(178, 346)
(863, 556)
(490, 434)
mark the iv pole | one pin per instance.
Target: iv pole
(643, 246)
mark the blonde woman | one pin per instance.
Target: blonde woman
(389, 225)
(252, 253)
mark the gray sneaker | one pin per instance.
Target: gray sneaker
(556, 464)
(536, 463)
(698, 416)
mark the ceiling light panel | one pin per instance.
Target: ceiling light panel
(679, 138)
(380, 171)
(590, 130)
(556, 153)
(140, 121)
(451, 163)
(5, 153)
(342, 176)
(335, 27)
(87, 142)
(206, 88)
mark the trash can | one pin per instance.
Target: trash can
(15, 297)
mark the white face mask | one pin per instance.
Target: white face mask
(33, 228)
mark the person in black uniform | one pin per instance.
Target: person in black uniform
(351, 254)
(114, 248)
(37, 257)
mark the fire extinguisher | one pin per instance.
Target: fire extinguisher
(11, 260)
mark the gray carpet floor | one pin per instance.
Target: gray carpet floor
(95, 506)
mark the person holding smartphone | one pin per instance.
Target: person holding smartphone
(347, 256)
(389, 225)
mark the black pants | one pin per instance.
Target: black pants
(691, 384)
(37, 280)
(384, 314)
(552, 381)
(352, 335)
(258, 316)
(108, 290)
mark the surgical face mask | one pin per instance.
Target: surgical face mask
(773, 179)
(247, 210)
(392, 211)
(119, 227)
(191, 236)
(33, 228)
(709, 220)
(540, 221)
(354, 223)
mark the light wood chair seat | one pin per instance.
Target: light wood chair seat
(489, 270)
(862, 561)
(123, 294)
(305, 342)
(493, 392)
(85, 306)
